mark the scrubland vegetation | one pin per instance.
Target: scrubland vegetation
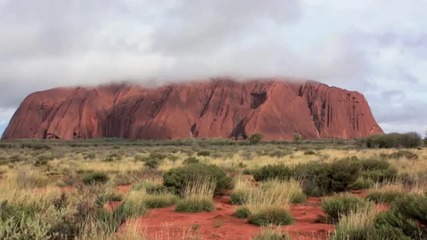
(374, 188)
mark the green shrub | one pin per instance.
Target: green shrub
(176, 178)
(255, 138)
(380, 175)
(195, 205)
(400, 154)
(271, 172)
(191, 160)
(343, 204)
(107, 197)
(239, 197)
(110, 222)
(150, 186)
(95, 178)
(203, 153)
(160, 200)
(278, 154)
(139, 158)
(152, 163)
(395, 226)
(21, 222)
(157, 155)
(393, 140)
(271, 216)
(384, 197)
(320, 179)
(413, 207)
(310, 152)
(362, 183)
(242, 212)
(131, 208)
(113, 157)
(378, 170)
(371, 164)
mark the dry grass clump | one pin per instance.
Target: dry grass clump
(270, 233)
(198, 196)
(386, 193)
(269, 203)
(20, 188)
(358, 224)
(242, 189)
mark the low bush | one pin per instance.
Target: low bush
(343, 204)
(362, 183)
(278, 154)
(413, 207)
(22, 227)
(266, 217)
(176, 178)
(239, 197)
(309, 152)
(112, 157)
(191, 160)
(204, 153)
(377, 170)
(107, 197)
(134, 204)
(393, 140)
(95, 178)
(255, 138)
(395, 226)
(400, 154)
(157, 155)
(160, 200)
(149, 186)
(152, 163)
(193, 205)
(384, 196)
(320, 179)
(242, 212)
(270, 172)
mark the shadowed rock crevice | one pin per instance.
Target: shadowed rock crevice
(257, 99)
(239, 132)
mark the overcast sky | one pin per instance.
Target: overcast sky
(377, 47)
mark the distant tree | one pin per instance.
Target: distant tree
(256, 138)
(425, 139)
(297, 138)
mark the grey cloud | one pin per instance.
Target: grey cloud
(49, 43)
(196, 26)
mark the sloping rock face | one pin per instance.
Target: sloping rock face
(220, 108)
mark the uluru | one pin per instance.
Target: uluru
(216, 108)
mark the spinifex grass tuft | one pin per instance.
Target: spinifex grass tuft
(198, 196)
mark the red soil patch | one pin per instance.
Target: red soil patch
(165, 223)
(123, 188)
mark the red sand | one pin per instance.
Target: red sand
(221, 224)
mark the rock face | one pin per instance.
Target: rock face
(220, 108)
